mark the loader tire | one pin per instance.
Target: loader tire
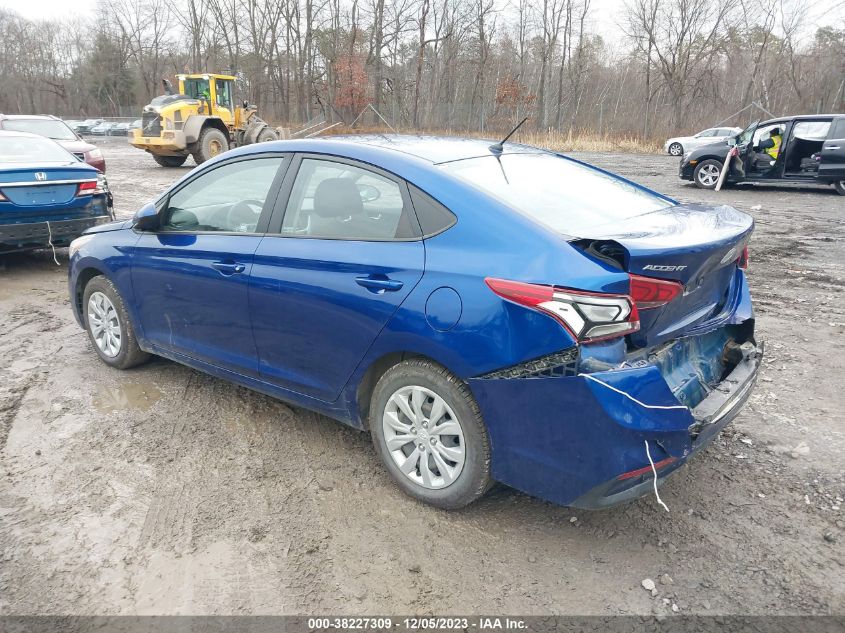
(210, 143)
(170, 161)
(267, 134)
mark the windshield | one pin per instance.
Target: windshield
(566, 196)
(43, 127)
(747, 133)
(32, 149)
(197, 88)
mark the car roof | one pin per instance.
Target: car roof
(801, 117)
(44, 117)
(432, 149)
(10, 133)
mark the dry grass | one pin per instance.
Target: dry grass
(578, 142)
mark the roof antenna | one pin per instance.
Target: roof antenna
(499, 147)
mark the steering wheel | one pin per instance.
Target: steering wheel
(244, 213)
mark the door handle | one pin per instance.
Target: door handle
(832, 147)
(379, 283)
(228, 268)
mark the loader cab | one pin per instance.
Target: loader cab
(214, 91)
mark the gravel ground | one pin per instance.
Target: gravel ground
(163, 490)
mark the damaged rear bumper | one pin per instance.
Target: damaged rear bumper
(580, 440)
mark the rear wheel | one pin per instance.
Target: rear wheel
(267, 134)
(108, 326)
(840, 187)
(170, 161)
(676, 149)
(428, 432)
(706, 174)
(210, 143)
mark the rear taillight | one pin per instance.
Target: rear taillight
(588, 316)
(742, 262)
(87, 188)
(648, 292)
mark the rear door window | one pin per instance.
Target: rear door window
(341, 201)
(837, 130)
(433, 217)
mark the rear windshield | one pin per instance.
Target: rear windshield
(32, 149)
(44, 127)
(564, 195)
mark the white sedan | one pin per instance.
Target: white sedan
(680, 144)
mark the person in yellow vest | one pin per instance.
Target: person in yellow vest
(771, 146)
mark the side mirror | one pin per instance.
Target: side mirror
(146, 219)
(731, 141)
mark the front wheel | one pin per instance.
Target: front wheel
(108, 326)
(840, 187)
(210, 143)
(676, 149)
(428, 432)
(706, 174)
(170, 161)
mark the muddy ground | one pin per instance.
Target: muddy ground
(163, 490)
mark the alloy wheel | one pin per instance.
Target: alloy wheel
(675, 149)
(424, 437)
(104, 324)
(708, 175)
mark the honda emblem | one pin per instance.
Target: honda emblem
(40, 175)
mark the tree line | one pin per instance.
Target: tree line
(476, 65)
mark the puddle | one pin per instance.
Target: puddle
(133, 395)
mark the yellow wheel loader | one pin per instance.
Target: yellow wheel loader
(201, 120)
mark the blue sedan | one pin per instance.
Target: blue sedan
(487, 312)
(47, 195)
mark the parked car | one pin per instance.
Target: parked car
(46, 194)
(678, 145)
(135, 125)
(119, 129)
(486, 312)
(102, 129)
(72, 124)
(87, 124)
(58, 130)
(812, 151)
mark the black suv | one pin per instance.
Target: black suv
(812, 151)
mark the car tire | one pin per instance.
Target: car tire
(108, 325)
(210, 143)
(170, 161)
(840, 187)
(706, 174)
(676, 149)
(455, 470)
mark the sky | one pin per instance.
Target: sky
(605, 15)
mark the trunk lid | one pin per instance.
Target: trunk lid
(695, 245)
(35, 192)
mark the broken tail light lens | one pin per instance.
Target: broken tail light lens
(89, 188)
(588, 316)
(648, 292)
(742, 262)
